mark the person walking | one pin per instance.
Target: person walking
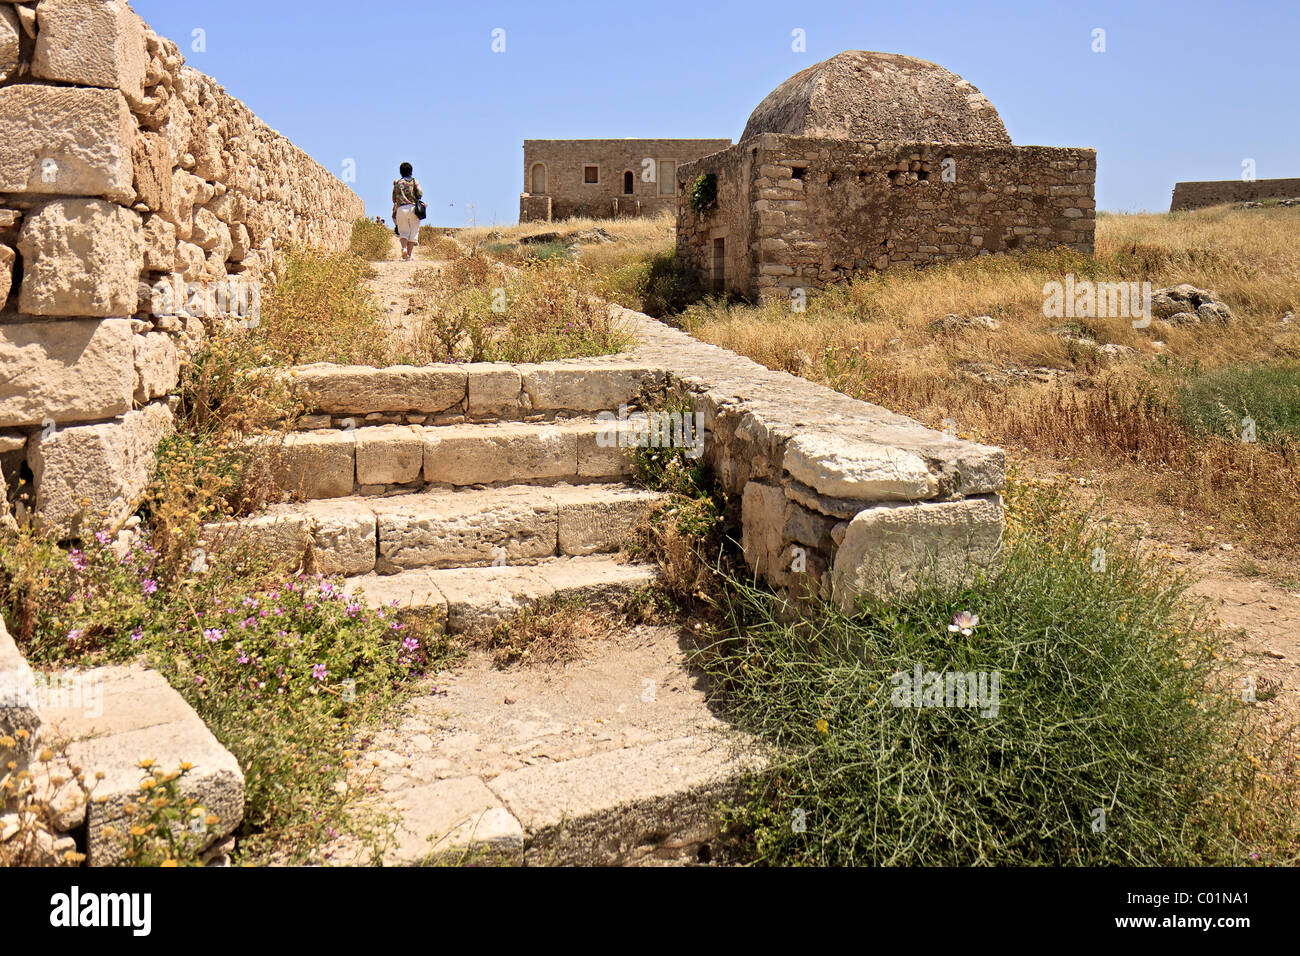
(406, 192)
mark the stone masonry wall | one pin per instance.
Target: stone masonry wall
(1203, 194)
(564, 160)
(139, 205)
(800, 213)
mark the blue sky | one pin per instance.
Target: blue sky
(1183, 91)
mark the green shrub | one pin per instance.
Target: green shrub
(1112, 700)
(318, 308)
(371, 241)
(654, 284)
(1268, 394)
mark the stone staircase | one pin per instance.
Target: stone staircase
(470, 519)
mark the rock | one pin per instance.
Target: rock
(1115, 351)
(956, 323)
(858, 470)
(69, 371)
(91, 476)
(92, 44)
(1185, 304)
(586, 386)
(153, 171)
(7, 259)
(494, 390)
(157, 366)
(10, 40)
(316, 465)
(18, 701)
(159, 238)
(892, 549)
(81, 257)
(389, 455)
(86, 153)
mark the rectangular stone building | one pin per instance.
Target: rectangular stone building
(871, 161)
(604, 178)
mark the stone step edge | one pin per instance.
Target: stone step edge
(466, 598)
(347, 535)
(479, 390)
(336, 464)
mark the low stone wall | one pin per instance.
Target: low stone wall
(139, 205)
(802, 213)
(1202, 194)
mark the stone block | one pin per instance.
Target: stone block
(152, 163)
(466, 529)
(361, 390)
(10, 42)
(99, 43)
(493, 390)
(157, 366)
(584, 386)
(343, 537)
(67, 142)
(7, 259)
(891, 549)
(144, 719)
(494, 454)
(389, 455)
(159, 238)
(91, 476)
(764, 512)
(317, 465)
(282, 533)
(841, 467)
(599, 520)
(77, 370)
(18, 700)
(81, 257)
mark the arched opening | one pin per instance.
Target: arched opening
(538, 179)
(629, 183)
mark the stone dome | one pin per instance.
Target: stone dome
(879, 97)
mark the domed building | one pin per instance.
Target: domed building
(870, 161)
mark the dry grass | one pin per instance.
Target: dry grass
(643, 231)
(1028, 386)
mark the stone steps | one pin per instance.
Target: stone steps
(446, 528)
(377, 459)
(465, 598)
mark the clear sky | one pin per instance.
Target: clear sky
(1183, 91)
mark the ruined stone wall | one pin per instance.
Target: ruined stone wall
(125, 177)
(1203, 194)
(821, 210)
(565, 159)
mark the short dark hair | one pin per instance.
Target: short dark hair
(406, 169)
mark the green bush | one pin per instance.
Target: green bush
(655, 284)
(1111, 700)
(371, 241)
(1269, 394)
(318, 308)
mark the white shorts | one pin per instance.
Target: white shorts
(408, 226)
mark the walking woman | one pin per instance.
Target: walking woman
(405, 193)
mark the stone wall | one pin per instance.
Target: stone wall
(1203, 194)
(802, 213)
(139, 205)
(564, 160)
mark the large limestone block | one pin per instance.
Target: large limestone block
(361, 390)
(79, 370)
(284, 535)
(67, 142)
(343, 536)
(389, 455)
(153, 171)
(81, 257)
(892, 549)
(160, 250)
(157, 366)
(449, 819)
(10, 39)
(764, 510)
(317, 465)
(495, 454)
(584, 386)
(91, 476)
(142, 718)
(598, 520)
(7, 259)
(466, 529)
(840, 467)
(493, 390)
(96, 43)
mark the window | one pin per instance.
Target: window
(591, 175)
(798, 172)
(667, 177)
(719, 265)
(629, 183)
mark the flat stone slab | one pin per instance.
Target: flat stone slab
(615, 758)
(471, 597)
(122, 716)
